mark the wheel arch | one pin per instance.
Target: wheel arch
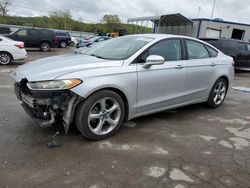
(12, 58)
(119, 92)
(225, 78)
(45, 41)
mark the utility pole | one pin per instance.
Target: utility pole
(211, 17)
(212, 13)
(199, 11)
(65, 22)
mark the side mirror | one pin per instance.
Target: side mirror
(154, 60)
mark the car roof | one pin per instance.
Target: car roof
(163, 36)
(225, 39)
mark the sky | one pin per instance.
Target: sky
(91, 11)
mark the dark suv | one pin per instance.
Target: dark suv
(63, 38)
(41, 38)
(237, 49)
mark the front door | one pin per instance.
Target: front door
(33, 38)
(21, 35)
(161, 86)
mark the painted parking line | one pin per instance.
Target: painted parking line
(243, 89)
(5, 70)
(6, 86)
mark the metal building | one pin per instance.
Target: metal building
(199, 28)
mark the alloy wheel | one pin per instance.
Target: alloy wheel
(63, 44)
(104, 116)
(5, 59)
(219, 93)
(45, 47)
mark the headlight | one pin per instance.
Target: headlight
(54, 84)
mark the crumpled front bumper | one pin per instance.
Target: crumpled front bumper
(47, 107)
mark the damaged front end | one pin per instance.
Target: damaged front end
(47, 106)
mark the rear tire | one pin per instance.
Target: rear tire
(63, 44)
(218, 93)
(45, 46)
(101, 115)
(5, 58)
(72, 43)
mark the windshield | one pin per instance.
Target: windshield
(118, 48)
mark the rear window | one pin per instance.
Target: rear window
(46, 32)
(248, 47)
(241, 46)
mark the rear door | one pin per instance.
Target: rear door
(201, 65)
(21, 35)
(33, 38)
(161, 86)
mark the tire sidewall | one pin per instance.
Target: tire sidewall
(83, 109)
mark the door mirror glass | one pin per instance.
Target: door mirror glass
(154, 60)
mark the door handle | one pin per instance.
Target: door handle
(179, 67)
(213, 64)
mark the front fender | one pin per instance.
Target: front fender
(125, 83)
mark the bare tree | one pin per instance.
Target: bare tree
(4, 7)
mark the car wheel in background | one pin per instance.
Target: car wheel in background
(218, 93)
(72, 43)
(63, 44)
(101, 115)
(45, 46)
(5, 58)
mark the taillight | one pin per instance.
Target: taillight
(233, 63)
(20, 46)
(55, 40)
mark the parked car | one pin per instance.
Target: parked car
(5, 30)
(90, 41)
(74, 41)
(122, 79)
(239, 50)
(63, 39)
(11, 50)
(42, 38)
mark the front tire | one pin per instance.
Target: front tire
(218, 93)
(101, 115)
(5, 58)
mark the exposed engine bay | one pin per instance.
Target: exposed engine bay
(46, 107)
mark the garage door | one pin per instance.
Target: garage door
(213, 33)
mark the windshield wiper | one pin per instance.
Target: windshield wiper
(100, 57)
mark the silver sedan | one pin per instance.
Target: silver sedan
(122, 79)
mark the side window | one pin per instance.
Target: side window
(22, 33)
(248, 47)
(169, 49)
(196, 50)
(241, 46)
(33, 33)
(212, 52)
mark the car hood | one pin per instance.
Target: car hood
(53, 67)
